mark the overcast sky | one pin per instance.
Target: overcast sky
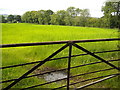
(21, 6)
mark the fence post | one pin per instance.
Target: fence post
(69, 61)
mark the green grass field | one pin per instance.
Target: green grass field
(27, 33)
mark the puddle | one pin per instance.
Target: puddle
(54, 76)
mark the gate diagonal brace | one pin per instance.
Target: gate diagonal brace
(35, 67)
(92, 54)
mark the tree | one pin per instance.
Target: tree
(71, 16)
(2, 19)
(112, 13)
(54, 20)
(25, 17)
(84, 15)
(92, 22)
(59, 18)
(34, 17)
(71, 11)
(18, 18)
(28, 17)
(10, 18)
(78, 11)
(44, 16)
(68, 20)
(76, 21)
(48, 14)
(78, 16)
(41, 16)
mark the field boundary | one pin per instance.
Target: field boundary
(68, 44)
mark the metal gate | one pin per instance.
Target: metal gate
(70, 45)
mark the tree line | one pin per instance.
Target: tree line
(11, 19)
(70, 17)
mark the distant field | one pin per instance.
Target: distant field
(21, 33)
(27, 33)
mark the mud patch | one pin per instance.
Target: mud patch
(54, 76)
(51, 76)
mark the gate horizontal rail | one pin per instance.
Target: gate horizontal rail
(88, 80)
(61, 70)
(69, 44)
(55, 59)
(57, 42)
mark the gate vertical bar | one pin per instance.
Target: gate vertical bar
(118, 15)
(69, 61)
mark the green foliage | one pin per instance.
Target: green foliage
(48, 14)
(17, 18)
(10, 18)
(40, 17)
(2, 19)
(59, 17)
(84, 17)
(30, 17)
(71, 11)
(54, 20)
(28, 33)
(112, 13)
(71, 17)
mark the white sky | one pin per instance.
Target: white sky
(21, 6)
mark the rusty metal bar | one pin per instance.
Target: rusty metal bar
(69, 62)
(44, 84)
(87, 80)
(69, 43)
(95, 82)
(35, 67)
(59, 70)
(66, 78)
(92, 54)
(56, 42)
(56, 59)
